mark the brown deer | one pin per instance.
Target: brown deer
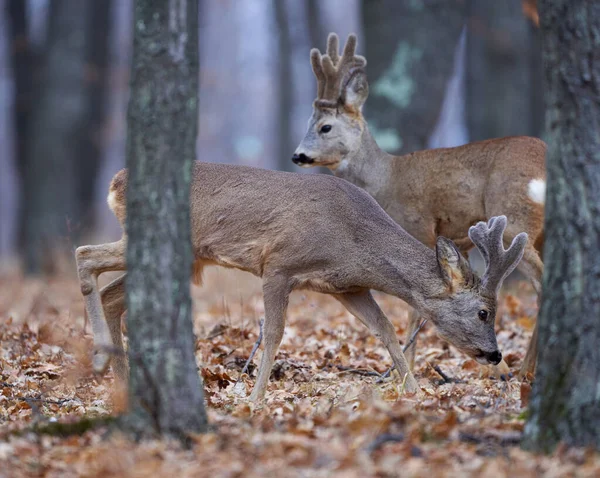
(319, 233)
(438, 192)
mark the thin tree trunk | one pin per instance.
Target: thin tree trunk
(97, 66)
(565, 404)
(166, 395)
(284, 86)
(410, 48)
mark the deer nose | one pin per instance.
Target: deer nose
(302, 159)
(494, 357)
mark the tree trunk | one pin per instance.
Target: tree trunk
(166, 395)
(284, 87)
(410, 48)
(565, 404)
(51, 209)
(503, 85)
(97, 68)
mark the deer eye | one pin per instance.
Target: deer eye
(483, 314)
(326, 128)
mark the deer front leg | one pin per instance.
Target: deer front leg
(91, 262)
(364, 308)
(276, 291)
(113, 302)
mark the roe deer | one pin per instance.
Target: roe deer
(319, 233)
(438, 192)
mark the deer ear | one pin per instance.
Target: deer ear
(355, 90)
(455, 269)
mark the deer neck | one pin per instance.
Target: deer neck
(368, 168)
(410, 271)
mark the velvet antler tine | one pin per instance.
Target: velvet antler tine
(317, 67)
(349, 48)
(333, 48)
(499, 263)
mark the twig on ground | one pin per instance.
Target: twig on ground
(253, 352)
(445, 378)
(384, 438)
(404, 349)
(360, 371)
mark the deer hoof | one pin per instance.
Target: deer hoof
(100, 362)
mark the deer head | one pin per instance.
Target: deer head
(465, 313)
(336, 125)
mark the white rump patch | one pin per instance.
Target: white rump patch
(111, 200)
(536, 190)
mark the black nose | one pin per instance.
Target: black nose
(302, 159)
(494, 357)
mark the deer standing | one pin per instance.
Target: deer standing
(319, 233)
(437, 192)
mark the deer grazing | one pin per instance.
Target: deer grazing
(319, 233)
(438, 192)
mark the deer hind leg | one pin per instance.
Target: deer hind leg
(276, 291)
(414, 320)
(113, 302)
(91, 262)
(532, 267)
(364, 308)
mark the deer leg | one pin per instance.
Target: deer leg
(364, 308)
(276, 291)
(532, 267)
(414, 320)
(113, 302)
(91, 262)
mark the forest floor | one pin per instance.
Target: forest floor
(325, 412)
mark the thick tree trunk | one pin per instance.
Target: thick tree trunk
(566, 402)
(410, 48)
(503, 81)
(165, 388)
(50, 209)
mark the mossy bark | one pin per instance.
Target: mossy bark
(410, 48)
(166, 395)
(565, 405)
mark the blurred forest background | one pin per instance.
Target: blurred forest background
(442, 73)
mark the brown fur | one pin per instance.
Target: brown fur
(300, 231)
(434, 192)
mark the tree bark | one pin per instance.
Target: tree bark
(410, 48)
(50, 209)
(565, 405)
(97, 76)
(166, 395)
(284, 85)
(504, 90)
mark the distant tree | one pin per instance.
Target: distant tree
(504, 71)
(166, 395)
(565, 403)
(285, 85)
(58, 113)
(410, 49)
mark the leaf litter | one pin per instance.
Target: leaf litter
(327, 412)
